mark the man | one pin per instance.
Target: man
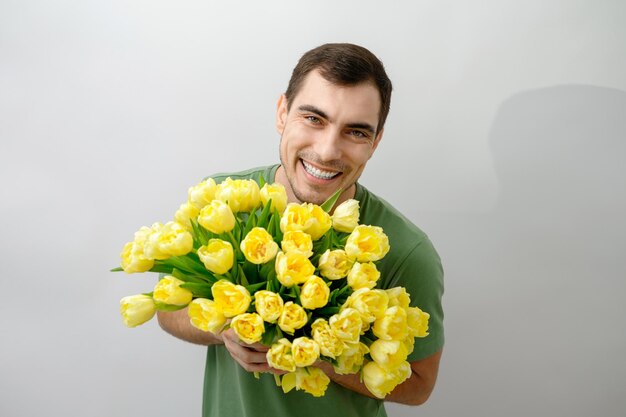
(331, 121)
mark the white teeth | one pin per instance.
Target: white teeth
(324, 175)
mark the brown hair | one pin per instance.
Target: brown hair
(343, 64)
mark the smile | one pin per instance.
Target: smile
(318, 173)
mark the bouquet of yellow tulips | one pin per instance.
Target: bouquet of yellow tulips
(289, 276)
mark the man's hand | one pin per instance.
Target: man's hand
(413, 391)
(252, 358)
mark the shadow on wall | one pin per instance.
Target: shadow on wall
(535, 290)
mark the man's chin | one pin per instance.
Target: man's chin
(312, 196)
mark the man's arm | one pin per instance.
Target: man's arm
(413, 391)
(251, 357)
(177, 324)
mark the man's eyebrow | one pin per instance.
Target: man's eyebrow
(312, 109)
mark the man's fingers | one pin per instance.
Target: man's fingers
(251, 357)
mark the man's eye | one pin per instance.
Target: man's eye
(313, 119)
(358, 134)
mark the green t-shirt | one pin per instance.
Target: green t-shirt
(412, 262)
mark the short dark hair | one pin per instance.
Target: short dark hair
(343, 64)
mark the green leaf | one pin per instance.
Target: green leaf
(167, 307)
(278, 234)
(279, 333)
(328, 204)
(186, 263)
(194, 278)
(251, 271)
(118, 269)
(269, 335)
(268, 270)
(199, 290)
(177, 274)
(198, 234)
(265, 214)
(327, 310)
(261, 181)
(160, 268)
(294, 292)
(242, 279)
(254, 287)
(250, 223)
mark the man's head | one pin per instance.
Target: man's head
(343, 64)
(330, 120)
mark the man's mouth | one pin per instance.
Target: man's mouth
(318, 173)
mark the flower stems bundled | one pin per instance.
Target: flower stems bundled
(289, 276)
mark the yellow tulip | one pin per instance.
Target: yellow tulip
(363, 275)
(151, 238)
(409, 343)
(172, 239)
(367, 243)
(206, 315)
(258, 246)
(330, 344)
(297, 241)
(279, 356)
(293, 268)
(398, 297)
(292, 318)
(346, 325)
(269, 305)
(169, 291)
(346, 216)
(276, 192)
(137, 309)
(351, 359)
(305, 351)
(134, 260)
(231, 299)
(417, 321)
(334, 264)
(295, 217)
(185, 213)
(314, 293)
(381, 381)
(312, 380)
(320, 221)
(134, 257)
(370, 304)
(388, 353)
(392, 325)
(202, 194)
(217, 256)
(217, 217)
(241, 195)
(249, 327)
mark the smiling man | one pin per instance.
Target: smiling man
(328, 133)
(331, 120)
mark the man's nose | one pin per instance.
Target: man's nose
(328, 144)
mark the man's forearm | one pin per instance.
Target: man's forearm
(413, 391)
(177, 324)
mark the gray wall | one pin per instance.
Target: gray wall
(506, 143)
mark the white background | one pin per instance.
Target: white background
(505, 143)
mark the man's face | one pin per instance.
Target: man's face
(327, 137)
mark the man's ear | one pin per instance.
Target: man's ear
(281, 113)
